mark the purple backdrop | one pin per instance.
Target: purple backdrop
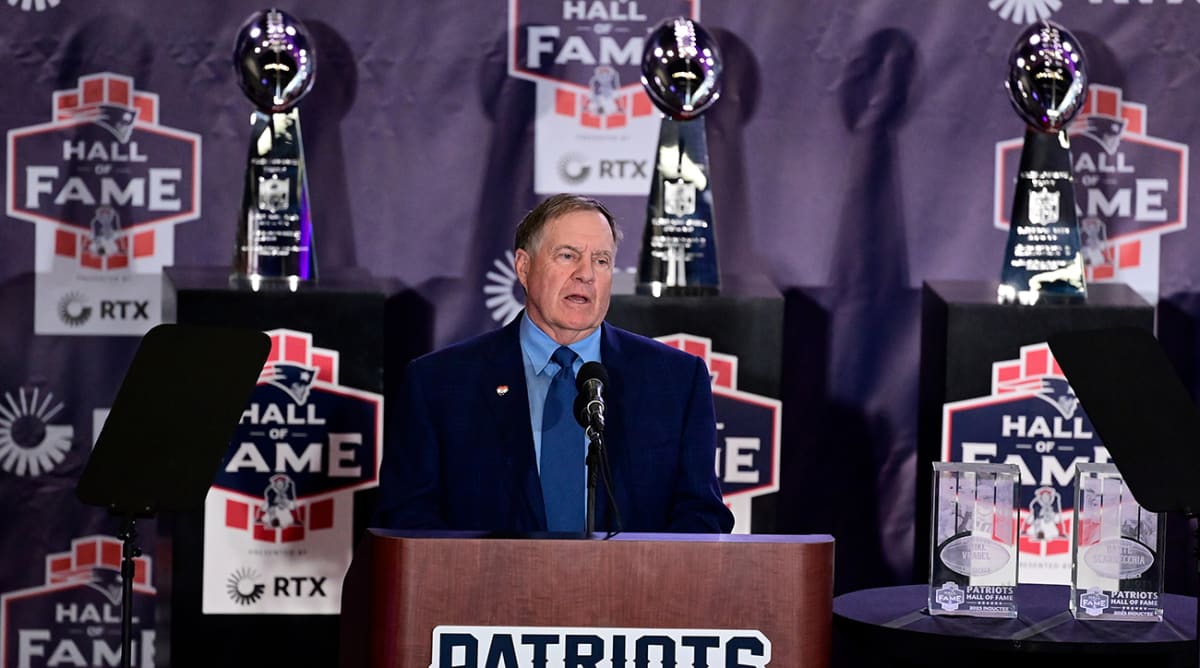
(853, 154)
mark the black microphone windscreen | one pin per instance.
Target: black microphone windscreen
(591, 371)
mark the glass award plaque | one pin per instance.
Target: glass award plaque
(1116, 552)
(681, 72)
(973, 562)
(1047, 84)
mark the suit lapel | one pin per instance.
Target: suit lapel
(505, 368)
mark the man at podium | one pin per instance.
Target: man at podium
(482, 435)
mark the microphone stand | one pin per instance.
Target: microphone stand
(589, 412)
(595, 434)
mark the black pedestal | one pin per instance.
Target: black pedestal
(748, 326)
(1179, 333)
(374, 329)
(964, 332)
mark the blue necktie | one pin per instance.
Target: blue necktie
(562, 449)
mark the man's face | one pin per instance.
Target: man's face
(568, 275)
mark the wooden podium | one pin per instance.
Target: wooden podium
(403, 585)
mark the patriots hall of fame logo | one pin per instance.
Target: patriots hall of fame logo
(279, 516)
(74, 617)
(1034, 420)
(595, 128)
(1130, 189)
(105, 183)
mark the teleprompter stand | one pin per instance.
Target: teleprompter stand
(1142, 413)
(168, 429)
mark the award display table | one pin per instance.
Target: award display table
(411, 598)
(890, 626)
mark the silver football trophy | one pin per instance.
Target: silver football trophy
(681, 72)
(276, 66)
(1047, 83)
(1116, 551)
(973, 560)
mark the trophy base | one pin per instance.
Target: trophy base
(658, 289)
(1008, 294)
(258, 282)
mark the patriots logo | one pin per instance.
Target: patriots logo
(107, 582)
(294, 379)
(1058, 393)
(1106, 131)
(117, 119)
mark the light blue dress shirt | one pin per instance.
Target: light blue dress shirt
(536, 349)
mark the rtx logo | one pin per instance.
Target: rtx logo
(623, 169)
(73, 309)
(124, 309)
(244, 586)
(575, 168)
(300, 586)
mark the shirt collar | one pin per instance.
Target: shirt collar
(539, 347)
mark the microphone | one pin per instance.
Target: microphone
(589, 404)
(589, 412)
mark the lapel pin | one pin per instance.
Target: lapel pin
(501, 390)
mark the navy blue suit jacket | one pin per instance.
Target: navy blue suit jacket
(459, 451)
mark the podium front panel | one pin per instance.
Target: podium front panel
(734, 592)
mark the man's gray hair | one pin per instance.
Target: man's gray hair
(529, 232)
